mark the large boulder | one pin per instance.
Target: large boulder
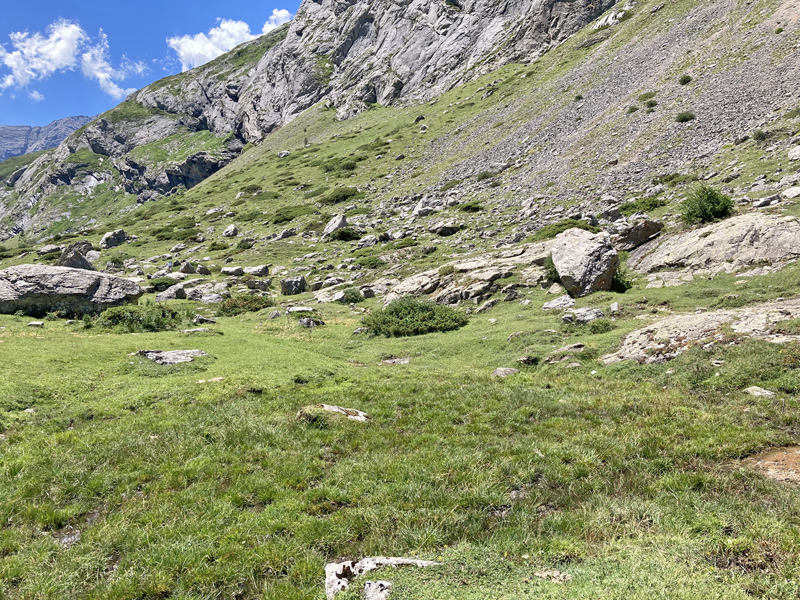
(586, 262)
(113, 239)
(729, 245)
(74, 256)
(291, 286)
(635, 234)
(39, 289)
(335, 224)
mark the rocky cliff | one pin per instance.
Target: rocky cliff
(19, 140)
(176, 132)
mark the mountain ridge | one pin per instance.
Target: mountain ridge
(17, 140)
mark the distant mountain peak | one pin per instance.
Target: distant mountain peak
(16, 140)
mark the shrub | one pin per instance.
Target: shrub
(446, 270)
(550, 231)
(550, 270)
(250, 215)
(351, 296)
(673, 179)
(684, 79)
(622, 280)
(183, 223)
(346, 234)
(145, 318)
(577, 98)
(340, 194)
(472, 206)
(646, 96)
(162, 283)
(217, 247)
(451, 184)
(793, 114)
(409, 316)
(484, 175)
(685, 116)
(632, 109)
(251, 189)
(704, 205)
(651, 104)
(601, 326)
(760, 135)
(646, 204)
(287, 214)
(407, 242)
(237, 305)
(371, 262)
(245, 244)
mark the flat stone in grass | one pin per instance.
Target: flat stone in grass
(339, 576)
(504, 372)
(565, 301)
(759, 392)
(307, 412)
(170, 357)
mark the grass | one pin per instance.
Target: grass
(550, 231)
(685, 116)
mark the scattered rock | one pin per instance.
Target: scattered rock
(445, 228)
(232, 271)
(113, 239)
(170, 357)
(259, 271)
(39, 289)
(794, 153)
(637, 234)
(565, 301)
(293, 310)
(201, 320)
(396, 361)
(36, 324)
(339, 576)
(74, 256)
(504, 372)
(49, 249)
(350, 413)
(231, 231)
(586, 262)
(759, 392)
(582, 316)
(554, 576)
(335, 224)
(791, 193)
(310, 323)
(292, 286)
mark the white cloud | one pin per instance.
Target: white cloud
(278, 18)
(95, 65)
(36, 57)
(198, 49)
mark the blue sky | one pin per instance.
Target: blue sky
(69, 57)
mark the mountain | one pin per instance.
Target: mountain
(19, 140)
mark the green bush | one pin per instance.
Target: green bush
(217, 247)
(340, 194)
(577, 98)
(446, 270)
(622, 280)
(760, 135)
(550, 270)
(406, 242)
(451, 184)
(371, 262)
(484, 175)
(237, 305)
(685, 116)
(162, 283)
(705, 205)
(646, 96)
(601, 326)
(646, 204)
(472, 206)
(550, 231)
(409, 316)
(685, 79)
(351, 296)
(632, 109)
(287, 214)
(145, 318)
(346, 234)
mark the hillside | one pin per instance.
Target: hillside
(588, 215)
(19, 140)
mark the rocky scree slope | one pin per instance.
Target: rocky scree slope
(16, 140)
(178, 131)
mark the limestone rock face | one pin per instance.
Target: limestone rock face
(636, 234)
(291, 286)
(586, 262)
(113, 239)
(335, 224)
(38, 289)
(727, 246)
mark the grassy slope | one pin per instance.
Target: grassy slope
(193, 490)
(216, 490)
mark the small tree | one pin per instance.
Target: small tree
(705, 205)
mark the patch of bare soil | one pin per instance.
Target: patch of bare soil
(782, 464)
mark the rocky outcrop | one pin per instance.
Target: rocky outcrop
(586, 262)
(292, 286)
(727, 246)
(339, 576)
(19, 140)
(669, 337)
(38, 289)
